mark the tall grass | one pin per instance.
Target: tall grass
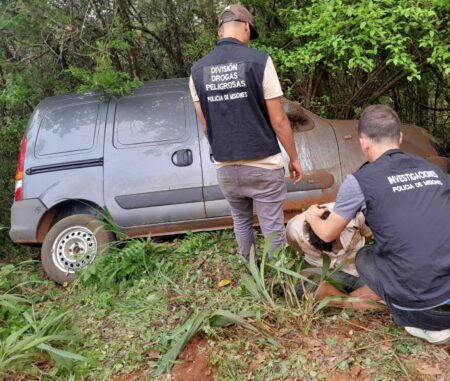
(266, 280)
(28, 333)
(283, 276)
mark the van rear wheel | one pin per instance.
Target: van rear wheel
(71, 244)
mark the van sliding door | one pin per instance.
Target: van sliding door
(152, 161)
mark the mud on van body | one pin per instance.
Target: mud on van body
(144, 160)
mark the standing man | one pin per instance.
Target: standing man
(237, 97)
(406, 202)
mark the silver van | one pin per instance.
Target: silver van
(143, 160)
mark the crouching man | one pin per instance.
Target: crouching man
(406, 202)
(340, 251)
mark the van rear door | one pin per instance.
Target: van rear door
(152, 160)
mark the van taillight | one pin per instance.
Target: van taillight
(20, 169)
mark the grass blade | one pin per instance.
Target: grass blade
(169, 358)
(61, 353)
(13, 298)
(326, 262)
(292, 274)
(251, 286)
(323, 303)
(258, 278)
(222, 318)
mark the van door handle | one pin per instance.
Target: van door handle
(182, 158)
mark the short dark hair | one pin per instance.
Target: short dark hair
(379, 123)
(314, 239)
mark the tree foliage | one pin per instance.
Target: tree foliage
(357, 53)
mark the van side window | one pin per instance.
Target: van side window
(150, 119)
(68, 129)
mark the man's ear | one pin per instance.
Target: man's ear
(400, 140)
(220, 32)
(364, 142)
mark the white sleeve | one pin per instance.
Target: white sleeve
(271, 83)
(361, 225)
(193, 91)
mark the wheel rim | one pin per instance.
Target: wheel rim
(74, 248)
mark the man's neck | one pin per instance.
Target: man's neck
(377, 151)
(236, 37)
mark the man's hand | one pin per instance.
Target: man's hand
(295, 171)
(314, 213)
(328, 230)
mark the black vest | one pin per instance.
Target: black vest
(408, 210)
(228, 82)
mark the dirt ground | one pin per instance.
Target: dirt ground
(194, 364)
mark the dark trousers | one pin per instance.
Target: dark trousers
(435, 319)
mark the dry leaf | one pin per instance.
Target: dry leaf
(253, 365)
(224, 282)
(312, 342)
(153, 354)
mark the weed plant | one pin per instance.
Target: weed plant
(125, 262)
(28, 334)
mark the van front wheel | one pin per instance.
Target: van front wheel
(71, 244)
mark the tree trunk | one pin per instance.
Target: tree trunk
(134, 69)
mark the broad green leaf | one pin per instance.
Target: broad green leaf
(61, 353)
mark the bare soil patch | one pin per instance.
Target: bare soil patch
(194, 363)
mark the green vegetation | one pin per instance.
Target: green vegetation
(130, 316)
(28, 332)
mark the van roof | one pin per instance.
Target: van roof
(71, 98)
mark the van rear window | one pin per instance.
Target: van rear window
(68, 129)
(150, 118)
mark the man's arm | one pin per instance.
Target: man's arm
(198, 108)
(201, 117)
(349, 201)
(278, 119)
(282, 127)
(327, 230)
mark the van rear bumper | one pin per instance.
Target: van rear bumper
(25, 217)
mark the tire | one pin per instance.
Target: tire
(81, 234)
